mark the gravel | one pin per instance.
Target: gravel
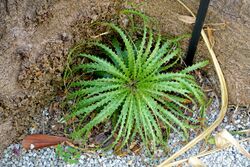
(237, 119)
(47, 157)
(228, 158)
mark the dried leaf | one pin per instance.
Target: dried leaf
(210, 35)
(186, 19)
(37, 74)
(54, 107)
(119, 151)
(247, 132)
(132, 145)
(187, 101)
(100, 138)
(135, 148)
(220, 141)
(99, 35)
(70, 121)
(224, 138)
(130, 162)
(37, 141)
(195, 162)
(217, 26)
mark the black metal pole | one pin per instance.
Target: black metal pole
(201, 15)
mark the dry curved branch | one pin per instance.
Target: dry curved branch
(202, 154)
(224, 100)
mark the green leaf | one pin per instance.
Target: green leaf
(145, 18)
(85, 107)
(97, 82)
(172, 118)
(101, 65)
(129, 47)
(117, 47)
(115, 58)
(139, 54)
(149, 46)
(104, 113)
(129, 122)
(195, 67)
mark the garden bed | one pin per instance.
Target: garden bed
(37, 36)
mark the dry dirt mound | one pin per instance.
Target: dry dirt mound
(232, 45)
(35, 38)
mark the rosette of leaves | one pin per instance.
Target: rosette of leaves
(136, 86)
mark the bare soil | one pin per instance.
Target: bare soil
(35, 37)
(232, 45)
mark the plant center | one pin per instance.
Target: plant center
(132, 85)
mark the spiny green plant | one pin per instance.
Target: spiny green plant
(133, 83)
